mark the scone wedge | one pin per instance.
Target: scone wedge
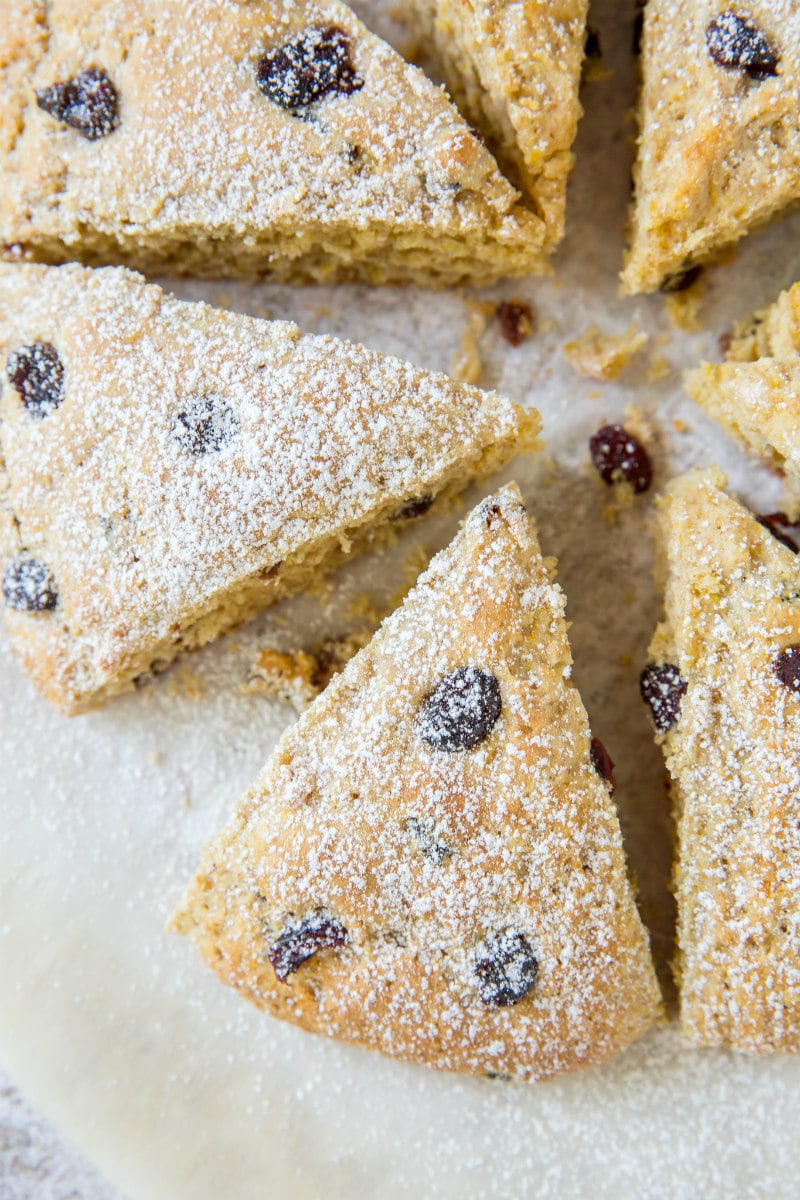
(213, 137)
(515, 70)
(724, 688)
(167, 470)
(430, 864)
(719, 145)
(755, 393)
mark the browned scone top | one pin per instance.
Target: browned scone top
(167, 469)
(212, 137)
(430, 864)
(515, 70)
(719, 145)
(725, 686)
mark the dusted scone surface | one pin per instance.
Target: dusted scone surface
(475, 884)
(755, 393)
(214, 160)
(514, 67)
(719, 145)
(167, 470)
(732, 611)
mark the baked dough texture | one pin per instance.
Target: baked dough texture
(432, 862)
(719, 145)
(514, 68)
(199, 466)
(731, 608)
(755, 393)
(205, 174)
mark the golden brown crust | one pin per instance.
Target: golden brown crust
(731, 608)
(424, 855)
(157, 547)
(205, 175)
(718, 151)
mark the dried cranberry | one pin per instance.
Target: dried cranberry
(516, 321)
(787, 668)
(461, 710)
(414, 508)
(506, 969)
(206, 425)
(37, 373)
(297, 945)
(425, 832)
(679, 281)
(28, 586)
(87, 102)
(663, 688)
(738, 45)
(311, 66)
(618, 456)
(787, 532)
(603, 763)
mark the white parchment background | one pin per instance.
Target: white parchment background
(171, 1083)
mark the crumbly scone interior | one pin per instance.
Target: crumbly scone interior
(204, 175)
(155, 549)
(731, 607)
(718, 151)
(422, 855)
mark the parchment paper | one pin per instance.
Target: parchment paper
(172, 1084)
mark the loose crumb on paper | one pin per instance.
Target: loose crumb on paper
(467, 364)
(297, 677)
(604, 356)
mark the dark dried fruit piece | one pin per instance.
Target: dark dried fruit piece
(516, 321)
(619, 456)
(414, 508)
(738, 45)
(787, 668)
(37, 373)
(87, 102)
(297, 945)
(663, 688)
(781, 527)
(29, 586)
(461, 710)
(506, 969)
(313, 65)
(679, 281)
(424, 830)
(206, 425)
(603, 763)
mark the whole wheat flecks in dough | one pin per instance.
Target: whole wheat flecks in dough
(719, 144)
(515, 70)
(723, 685)
(430, 864)
(208, 137)
(167, 470)
(755, 393)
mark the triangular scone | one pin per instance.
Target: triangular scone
(723, 685)
(719, 147)
(167, 470)
(515, 70)
(430, 864)
(755, 393)
(212, 137)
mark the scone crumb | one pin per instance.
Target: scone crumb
(604, 356)
(680, 426)
(683, 308)
(659, 369)
(467, 364)
(297, 677)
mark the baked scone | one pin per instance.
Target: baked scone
(515, 70)
(211, 137)
(755, 393)
(724, 687)
(431, 864)
(167, 470)
(719, 145)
